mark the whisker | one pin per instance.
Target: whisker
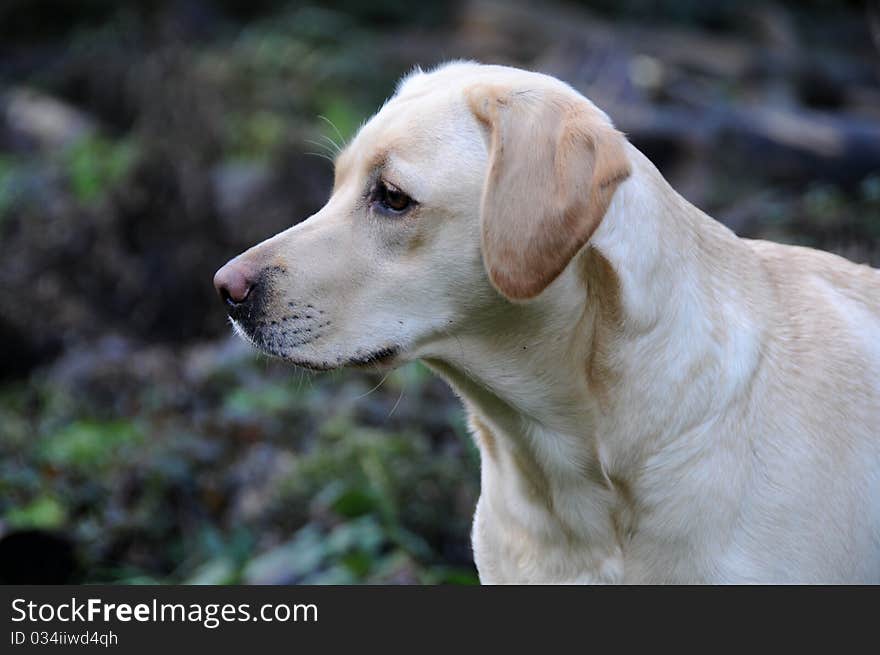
(399, 398)
(321, 155)
(335, 129)
(323, 146)
(336, 147)
(384, 377)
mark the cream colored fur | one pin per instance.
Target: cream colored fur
(655, 399)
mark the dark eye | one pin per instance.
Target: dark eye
(389, 199)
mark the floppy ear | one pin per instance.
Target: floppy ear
(554, 164)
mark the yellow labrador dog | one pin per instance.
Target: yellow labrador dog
(654, 399)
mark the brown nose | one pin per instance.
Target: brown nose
(234, 281)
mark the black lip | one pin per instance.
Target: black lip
(313, 366)
(380, 356)
(376, 357)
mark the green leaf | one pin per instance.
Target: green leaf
(44, 512)
(89, 445)
(95, 164)
(214, 572)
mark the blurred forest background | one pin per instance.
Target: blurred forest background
(144, 143)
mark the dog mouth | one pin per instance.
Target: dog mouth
(276, 345)
(279, 329)
(292, 331)
(377, 359)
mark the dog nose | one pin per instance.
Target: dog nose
(234, 282)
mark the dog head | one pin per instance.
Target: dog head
(472, 188)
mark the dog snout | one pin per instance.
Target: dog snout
(235, 282)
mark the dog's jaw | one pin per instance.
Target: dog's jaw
(382, 358)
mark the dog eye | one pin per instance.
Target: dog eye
(390, 199)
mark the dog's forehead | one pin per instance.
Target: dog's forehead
(428, 112)
(412, 117)
(411, 126)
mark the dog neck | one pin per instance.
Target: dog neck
(595, 373)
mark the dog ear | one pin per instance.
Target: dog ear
(554, 164)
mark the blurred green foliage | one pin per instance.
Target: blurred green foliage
(44, 512)
(89, 446)
(256, 135)
(95, 164)
(270, 477)
(8, 186)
